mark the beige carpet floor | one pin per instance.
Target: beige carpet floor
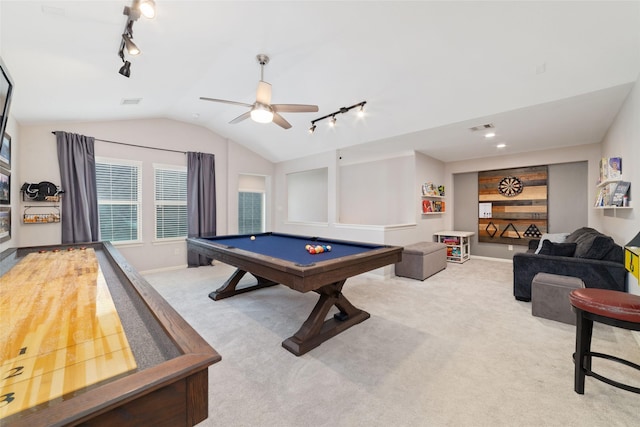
(454, 350)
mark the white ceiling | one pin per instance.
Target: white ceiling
(547, 74)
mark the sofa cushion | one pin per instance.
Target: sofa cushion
(557, 249)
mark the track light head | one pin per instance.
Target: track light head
(147, 8)
(332, 122)
(125, 70)
(132, 49)
(361, 110)
(312, 129)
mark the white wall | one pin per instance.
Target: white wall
(38, 162)
(13, 130)
(240, 162)
(623, 140)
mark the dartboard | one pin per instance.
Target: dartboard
(510, 186)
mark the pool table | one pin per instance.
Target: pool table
(277, 258)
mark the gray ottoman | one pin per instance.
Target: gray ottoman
(421, 260)
(550, 297)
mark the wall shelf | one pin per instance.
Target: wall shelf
(433, 205)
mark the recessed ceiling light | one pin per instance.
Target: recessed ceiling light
(502, 145)
(489, 135)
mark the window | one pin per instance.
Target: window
(250, 212)
(170, 201)
(119, 199)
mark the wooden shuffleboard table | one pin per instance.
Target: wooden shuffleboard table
(85, 340)
(278, 258)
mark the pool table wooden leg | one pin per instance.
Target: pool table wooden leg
(228, 289)
(316, 330)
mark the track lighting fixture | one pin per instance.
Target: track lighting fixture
(342, 110)
(138, 8)
(125, 70)
(147, 8)
(132, 49)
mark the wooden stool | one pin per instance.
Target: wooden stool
(612, 308)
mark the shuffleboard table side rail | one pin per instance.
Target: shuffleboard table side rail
(187, 372)
(179, 331)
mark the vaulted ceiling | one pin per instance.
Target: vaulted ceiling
(546, 74)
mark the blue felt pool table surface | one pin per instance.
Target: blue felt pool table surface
(291, 247)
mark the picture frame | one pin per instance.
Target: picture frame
(5, 224)
(5, 187)
(5, 151)
(6, 90)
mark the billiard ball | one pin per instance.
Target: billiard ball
(312, 250)
(328, 248)
(253, 237)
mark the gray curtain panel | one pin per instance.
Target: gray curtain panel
(201, 201)
(77, 163)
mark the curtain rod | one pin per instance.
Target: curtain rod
(137, 146)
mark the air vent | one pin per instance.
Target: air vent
(131, 101)
(51, 10)
(482, 127)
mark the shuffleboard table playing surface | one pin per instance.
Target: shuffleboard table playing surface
(61, 330)
(88, 341)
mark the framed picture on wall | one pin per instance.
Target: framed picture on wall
(5, 151)
(5, 224)
(5, 187)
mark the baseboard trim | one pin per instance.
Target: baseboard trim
(160, 270)
(488, 258)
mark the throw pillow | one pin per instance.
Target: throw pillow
(555, 237)
(558, 249)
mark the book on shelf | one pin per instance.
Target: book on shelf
(615, 167)
(618, 194)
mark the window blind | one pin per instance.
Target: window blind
(170, 202)
(119, 203)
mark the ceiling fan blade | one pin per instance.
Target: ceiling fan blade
(226, 102)
(294, 108)
(241, 117)
(263, 94)
(280, 121)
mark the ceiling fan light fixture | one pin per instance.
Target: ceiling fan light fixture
(147, 8)
(261, 113)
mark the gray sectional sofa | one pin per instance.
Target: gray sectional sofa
(586, 253)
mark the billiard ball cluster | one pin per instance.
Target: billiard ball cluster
(318, 249)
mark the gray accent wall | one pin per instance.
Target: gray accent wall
(568, 205)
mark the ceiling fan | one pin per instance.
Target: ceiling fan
(263, 111)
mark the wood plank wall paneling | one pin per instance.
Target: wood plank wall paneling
(518, 219)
